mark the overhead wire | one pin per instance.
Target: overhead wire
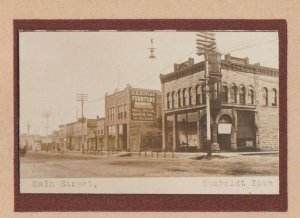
(233, 49)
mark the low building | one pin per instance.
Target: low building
(243, 99)
(77, 133)
(101, 134)
(131, 114)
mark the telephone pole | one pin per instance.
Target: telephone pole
(28, 128)
(206, 46)
(46, 115)
(82, 98)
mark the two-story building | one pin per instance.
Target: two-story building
(243, 100)
(77, 133)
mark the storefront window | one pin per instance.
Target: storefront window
(203, 95)
(190, 96)
(224, 94)
(274, 97)
(251, 96)
(173, 100)
(125, 110)
(179, 98)
(265, 96)
(242, 95)
(233, 94)
(184, 93)
(198, 95)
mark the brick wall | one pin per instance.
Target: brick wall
(181, 83)
(267, 115)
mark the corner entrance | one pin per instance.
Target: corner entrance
(224, 133)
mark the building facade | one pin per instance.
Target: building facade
(77, 133)
(243, 99)
(131, 114)
(101, 134)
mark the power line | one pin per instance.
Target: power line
(238, 48)
(250, 46)
(246, 43)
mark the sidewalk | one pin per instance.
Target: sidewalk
(120, 154)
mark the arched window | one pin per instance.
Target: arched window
(168, 101)
(190, 96)
(233, 94)
(274, 97)
(251, 96)
(265, 96)
(198, 95)
(224, 93)
(203, 95)
(242, 95)
(179, 98)
(185, 97)
(173, 100)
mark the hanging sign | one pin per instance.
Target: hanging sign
(224, 128)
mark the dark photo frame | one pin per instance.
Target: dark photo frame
(156, 202)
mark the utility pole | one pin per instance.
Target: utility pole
(82, 98)
(206, 45)
(117, 112)
(28, 128)
(46, 114)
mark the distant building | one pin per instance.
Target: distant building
(131, 114)
(30, 140)
(244, 106)
(76, 137)
(101, 134)
(55, 140)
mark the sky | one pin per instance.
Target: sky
(55, 66)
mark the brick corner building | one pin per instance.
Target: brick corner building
(244, 106)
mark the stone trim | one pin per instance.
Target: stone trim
(224, 65)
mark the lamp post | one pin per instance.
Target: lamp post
(206, 45)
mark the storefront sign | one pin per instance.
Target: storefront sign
(249, 144)
(143, 104)
(224, 128)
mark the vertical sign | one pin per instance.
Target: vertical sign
(143, 105)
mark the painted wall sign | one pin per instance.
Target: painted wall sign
(143, 104)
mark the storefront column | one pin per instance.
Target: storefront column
(215, 145)
(128, 136)
(199, 144)
(174, 131)
(117, 137)
(234, 131)
(164, 131)
(256, 122)
(105, 147)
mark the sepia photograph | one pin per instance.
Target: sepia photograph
(149, 111)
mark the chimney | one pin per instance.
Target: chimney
(227, 57)
(246, 60)
(175, 67)
(191, 61)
